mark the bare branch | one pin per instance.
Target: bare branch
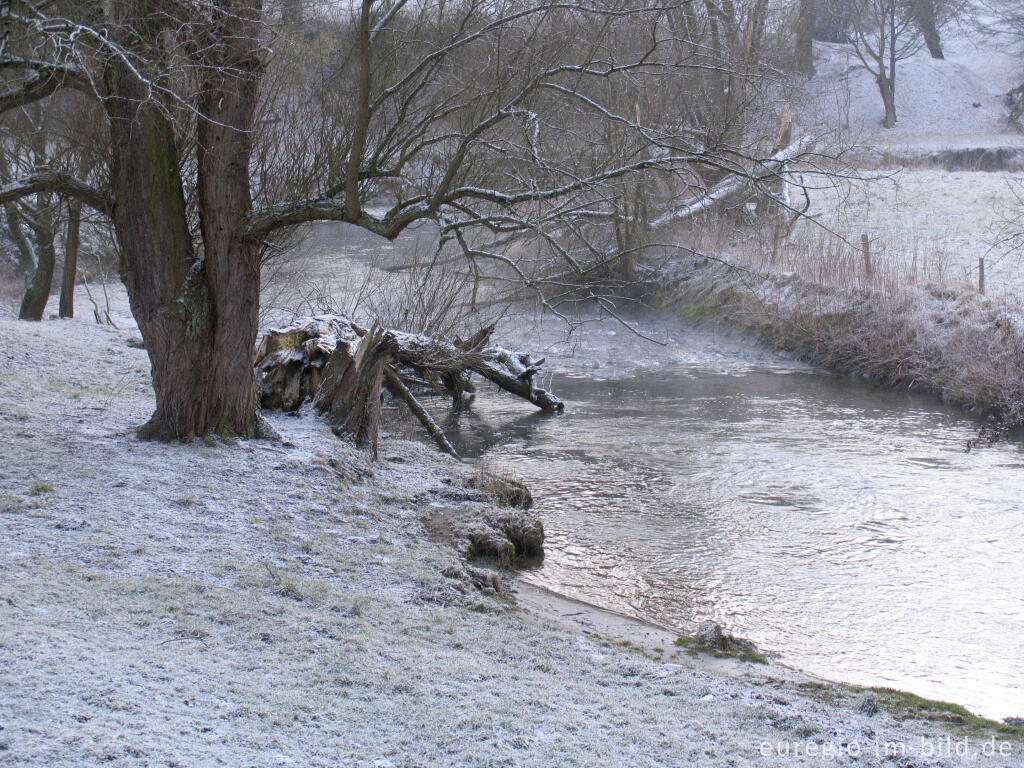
(47, 80)
(733, 185)
(61, 183)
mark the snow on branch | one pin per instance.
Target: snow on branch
(734, 185)
(55, 181)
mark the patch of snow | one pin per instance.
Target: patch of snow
(949, 103)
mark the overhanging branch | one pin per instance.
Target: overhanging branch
(733, 185)
(47, 80)
(55, 181)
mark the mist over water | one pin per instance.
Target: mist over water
(833, 521)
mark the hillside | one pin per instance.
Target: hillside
(953, 103)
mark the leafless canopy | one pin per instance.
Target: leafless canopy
(526, 130)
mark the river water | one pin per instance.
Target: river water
(835, 522)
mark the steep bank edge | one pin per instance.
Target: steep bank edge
(964, 348)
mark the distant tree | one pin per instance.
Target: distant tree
(56, 134)
(833, 20)
(32, 221)
(883, 33)
(926, 18)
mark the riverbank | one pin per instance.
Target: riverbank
(961, 346)
(286, 604)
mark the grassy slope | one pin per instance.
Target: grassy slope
(258, 604)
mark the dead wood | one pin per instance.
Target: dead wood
(738, 185)
(341, 367)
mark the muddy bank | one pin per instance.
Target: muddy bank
(663, 643)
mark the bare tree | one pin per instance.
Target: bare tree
(32, 221)
(926, 17)
(803, 51)
(487, 117)
(884, 33)
(56, 133)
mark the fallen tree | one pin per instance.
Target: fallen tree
(341, 367)
(738, 185)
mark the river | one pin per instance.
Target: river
(835, 522)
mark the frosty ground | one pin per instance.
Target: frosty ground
(936, 220)
(273, 604)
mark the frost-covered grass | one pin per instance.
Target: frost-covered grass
(967, 348)
(924, 226)
(266, 604)
(915, 316)
(931, 225)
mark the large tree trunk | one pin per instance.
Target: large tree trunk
(232, 260)
(197, 316)
(71, 244)
(924, 18)
(166, 283)
(38, 293)
(803, 57)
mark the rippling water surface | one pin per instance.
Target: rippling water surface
(838, 523)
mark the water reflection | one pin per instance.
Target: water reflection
(837, 522)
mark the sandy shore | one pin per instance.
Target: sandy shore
(551, 609)
(284, 605)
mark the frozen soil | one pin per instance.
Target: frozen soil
(279, 604)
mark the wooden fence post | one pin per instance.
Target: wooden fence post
(981, 275)
(865, 248)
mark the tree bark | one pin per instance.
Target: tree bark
(197, 315)
(887, 88)
(26, 255)
(232, 259)
(355, 383)
(166, 283)
(924, 18)
(803, 54)
(38, 293)
(71, 244)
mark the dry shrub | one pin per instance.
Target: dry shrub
(502, 485)
(836, 260)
